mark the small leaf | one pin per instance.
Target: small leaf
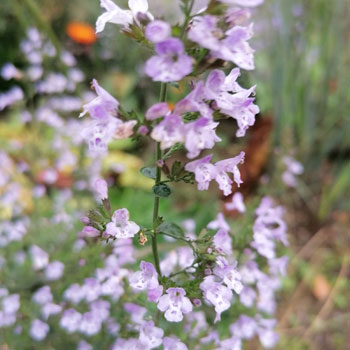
(171, 228)
(157, 222)
(176, 168)
(162, 190)
(173, 149)
(149, 172)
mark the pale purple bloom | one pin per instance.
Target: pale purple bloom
(70, 320)
(217, 294)
(83, 345)
(38, 330)
(143, 130)
(102, 106)
(278, 266)
(169, 131)
(294, 168)
(173, 343)
(243, 3)
(91, 289)
(89, 324)
(39, 257)
(233, 343)
(204, 31)
(158, 110)
(171, 63)
(157, 31)
(121, 227)
(10, 304)
(245, 327)
(235, 48)
(219, 223)
(203, 170)
(150, 335)
(136, 312)
(124, 130)
(43, 295)
(267, 336)
(237, 203)
(248, 296)
(200, 134)
(54, 270)
(175, 304)
(9, 71)
(147, 278)
(50, 309)
(229, 165)
(223, 242)
(114, 14)
(101, 189)
(229, 274)
(89, 231)
(10, 97)
(100, 309)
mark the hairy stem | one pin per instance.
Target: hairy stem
(163, 92)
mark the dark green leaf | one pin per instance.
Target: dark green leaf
(162, 190)
(171, 229)
(149, 172)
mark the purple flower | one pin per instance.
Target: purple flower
(235, 48)
(237, 203)
(143, 130)
(102, 106)
(101, 189)
(203, 170)
(248, 296)
(147, 278)
(204, 31)
(89, 231)
(39, 257)
(136, 312)
(173, 343)
(243, 3)
(229, 274)
(124, 130)
(43, 295)
(267, 336)
(10, 304)
(293, 168)
(157, 31)
(233, 343)
(223, 242)
(38, 330)
(70, 320)
(200, 135)
(54, 271)
(121, 227)
(245, 327)
(219, 223)
(175, 304)
(150, 335)
(171, 63)
(217, 294)
(114, 14)
(50, 309)
(158, 110)
(169, 131)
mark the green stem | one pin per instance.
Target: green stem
(163, 92)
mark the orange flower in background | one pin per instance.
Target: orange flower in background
(81, 33)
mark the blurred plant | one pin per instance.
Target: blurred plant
(302, 81)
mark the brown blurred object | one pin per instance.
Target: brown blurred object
(321, 287)
(256, 151)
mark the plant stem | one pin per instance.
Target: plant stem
(163, 92)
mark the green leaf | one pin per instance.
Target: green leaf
(149, 172)
(171, 229)
(173, 149)
(162, 190)
(157, 222)
(176, 168)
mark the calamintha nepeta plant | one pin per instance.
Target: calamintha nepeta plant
(206, 273)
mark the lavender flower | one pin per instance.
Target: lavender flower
(175, 304)
(173, 343)
(150, 335)
(39, 330)
(101, 189)
(157, 31)
(121, 227)
(54, 270)
(171, 63)
(236, 203)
